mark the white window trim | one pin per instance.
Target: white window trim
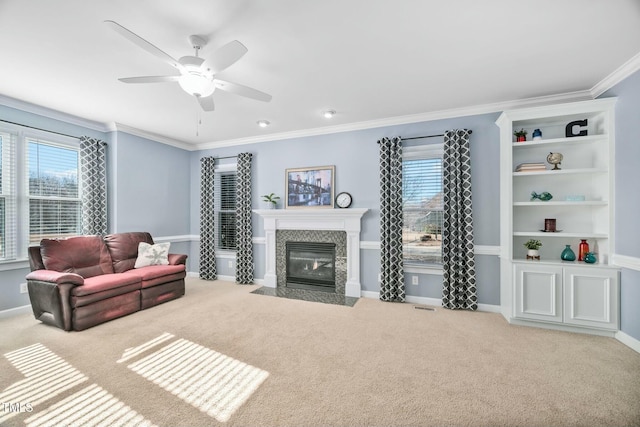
(416, 153)
(22, 136)
(224, 253)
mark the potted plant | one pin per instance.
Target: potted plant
(521, 135)
(532, 246)
(271, 199)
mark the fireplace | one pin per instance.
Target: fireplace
(311, 265)
(340, 226)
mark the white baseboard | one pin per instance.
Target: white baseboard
(437, 302)
(628, 340)
(219, 276)
(15, 311)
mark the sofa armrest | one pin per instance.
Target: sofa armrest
(56, 277)
(175, 259)
(50, 296)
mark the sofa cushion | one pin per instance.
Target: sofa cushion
(123, 248)
(100, 291)
(156, 274)
(105, 282)
(157, 254)
(84, 255)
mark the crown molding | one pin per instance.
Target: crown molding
(621, 73)
(52, 114)
(119, 127)
(370, 124)
(401, 120)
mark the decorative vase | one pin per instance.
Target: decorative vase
(533, 254)
(521, 138)
(568, 254)
(583, 248)
(537, 134)
(590, 258)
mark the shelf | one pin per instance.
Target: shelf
(560, 141)
(561, 234)
(550, 290)
(563, 203)
(559, 262)
(586, 171)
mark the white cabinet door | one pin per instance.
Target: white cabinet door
(591, 297)
(538, 292)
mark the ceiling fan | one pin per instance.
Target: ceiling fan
(197, 76)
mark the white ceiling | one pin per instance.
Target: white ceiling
(370, 60)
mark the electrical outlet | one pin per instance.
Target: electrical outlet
(414, 280)
(23, 288)
(230, 264)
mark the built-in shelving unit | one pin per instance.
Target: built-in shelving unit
(582, 205)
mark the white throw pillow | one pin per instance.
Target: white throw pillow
(157, 254)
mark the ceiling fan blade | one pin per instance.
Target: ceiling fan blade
(136, 39)
(242, 90)
(225, 56)
(150, 79)
(206, 102)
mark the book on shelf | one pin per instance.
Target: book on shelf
(530, 167)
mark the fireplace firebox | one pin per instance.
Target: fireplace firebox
(311, 265)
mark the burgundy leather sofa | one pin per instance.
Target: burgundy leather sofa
(80, 282)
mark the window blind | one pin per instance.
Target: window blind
(226, 210)
(8, 197)
(422, 208)
(55, 207)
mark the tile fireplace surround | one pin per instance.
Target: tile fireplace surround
(347, 220)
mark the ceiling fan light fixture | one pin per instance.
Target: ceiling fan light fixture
(196, 84)
(329, 114)
(263, 123)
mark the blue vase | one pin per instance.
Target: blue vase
(568, 254)
(590, 258)
(537, 134)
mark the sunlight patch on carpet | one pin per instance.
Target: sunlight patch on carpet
(91, 406)
(46, 376)
(210, 381)
(134, 351)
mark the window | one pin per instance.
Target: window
(55, 208)
(40, 192)
(225, 210)
(422, 204)
(8, 219)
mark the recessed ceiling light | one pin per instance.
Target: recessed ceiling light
(329, 114)
(263, 123)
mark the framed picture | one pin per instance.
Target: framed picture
(309, 187)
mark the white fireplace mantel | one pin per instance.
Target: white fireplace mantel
(347, 220)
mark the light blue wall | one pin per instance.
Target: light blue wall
(627, 176)
(151, 187)
(355, 156)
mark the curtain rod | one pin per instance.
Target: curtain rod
(226, 157)
(426, 136)
(44, 130)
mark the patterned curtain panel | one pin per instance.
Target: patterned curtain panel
(93, 175)
(459, 272)
(391, 268)
(244, 234)
(207, 220)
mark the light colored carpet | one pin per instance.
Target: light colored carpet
(223, 356)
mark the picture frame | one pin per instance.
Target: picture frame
(310, 187)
